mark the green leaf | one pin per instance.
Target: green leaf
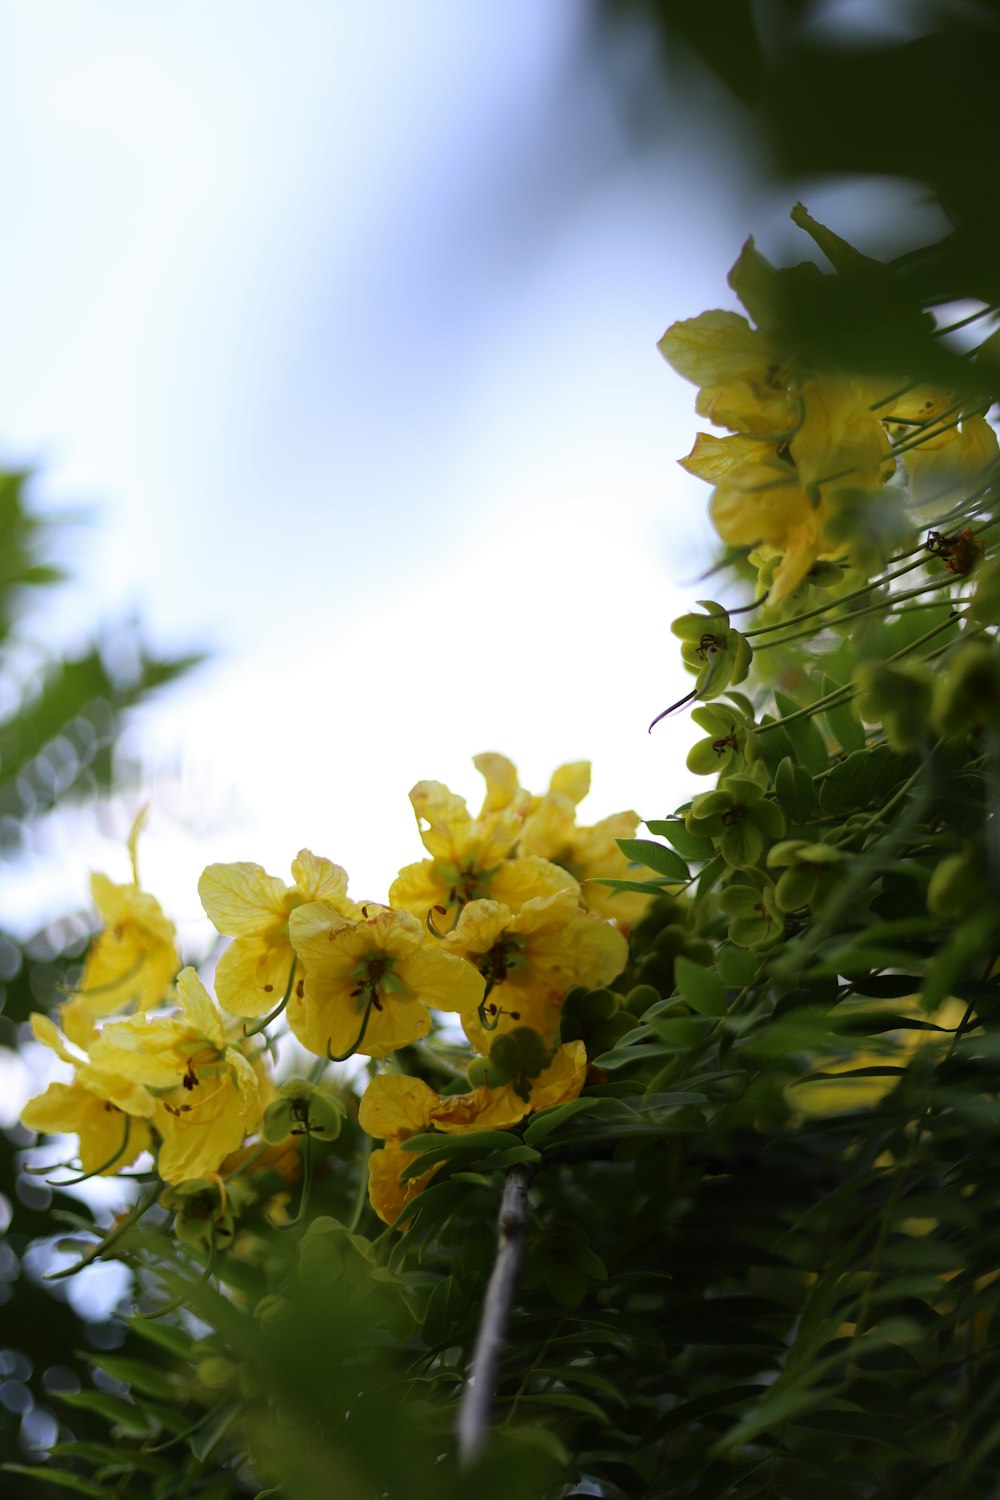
(569, 1401)
(137, 1373)
(210, 1433)
(169, 1336)
(113, 1409)
(59, 1477)
(509, 1158)
(548, 1120)
(632, 887)
(655, 857)
(688, 845)
(842, 718)
(479, 1141)
(795, 791)
(703, 990)
(735, 966)
(866, 776)
(807, 742)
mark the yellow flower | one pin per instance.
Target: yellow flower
(744, 376)
(247, 904)
(839, 440)
(134, 958)
(469, 856)
(531, 959)
(208, 1094)
(587, 853)
(107, 1110)
(943, 463)
(368, 984)
(395, 1107)
(763, 503)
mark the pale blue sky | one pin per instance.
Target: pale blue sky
(342, 321)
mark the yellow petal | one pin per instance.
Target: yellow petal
(57, 1111)
(76, 1018)
(562, 1079)
(398, 1024)
(839, 437)
(481, 1109)
(714, 348)
(518, 881)
(395, 1106)
(572, 780)
(502, 787)
(760, 503)
(442, 980)
(196, 1143)
(713, 458)
(199, 1008)
(318, 879)
(241, 899)
(479, 926)
(252, 976)
(445, 814)
(549, 827)
(150, 1052)
(417, 888)
(312, 931)
(389, 1196)
(45, 1030)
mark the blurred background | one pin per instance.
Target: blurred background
(329, 358)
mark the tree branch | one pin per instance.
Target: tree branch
(474, 1412)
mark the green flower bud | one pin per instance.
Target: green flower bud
(967, 694)
(303, 1108)
(897, 695)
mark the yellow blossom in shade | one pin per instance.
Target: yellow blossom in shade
(368, 984)
(108, 1111)
(839, 440)
(713, 458)
(744, 377)
(469, 856)
(550, 832)
(531, 959)
(763, 503)
(587, 853)
(253, 908)
(449, 831)
(395, 1107)
(941, 466)
(207, 1091)
(134, 959)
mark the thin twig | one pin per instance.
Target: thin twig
(474, 1412)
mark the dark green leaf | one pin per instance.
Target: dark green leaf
(655, 857)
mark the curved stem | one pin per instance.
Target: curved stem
(96, 1171)
(361, 1196)
(306, 1181)
(183, 1297)
(343, 1056)
(114, 1234)
(276, 1012)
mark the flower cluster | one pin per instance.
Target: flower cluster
(496, 926)
(807, 470)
